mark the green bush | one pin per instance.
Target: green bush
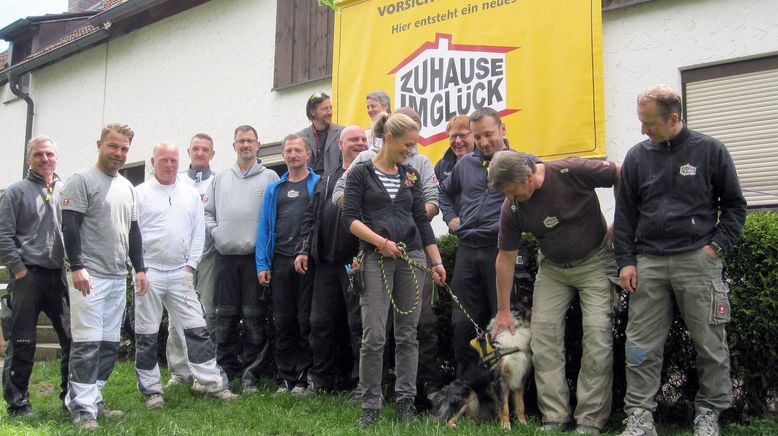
(751, 270)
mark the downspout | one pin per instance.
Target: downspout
(16, 88)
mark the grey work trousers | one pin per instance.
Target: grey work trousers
(555, 288)
(693, 279)
(375, 310)
(205, 284)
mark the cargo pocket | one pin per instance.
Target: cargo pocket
(720, 308)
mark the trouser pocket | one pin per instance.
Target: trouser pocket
(720, 307)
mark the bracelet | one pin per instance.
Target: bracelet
(386, 241)
(437, 264)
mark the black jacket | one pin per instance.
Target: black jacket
(321, 234)
(403, 219)
(479, 208)
(677, 196)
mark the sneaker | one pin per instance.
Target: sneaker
(225, 395)
(552, 427)
(108, 413)
(368, 418)
(639, 423)
(301, 392)
(250, 389)
(23, 413)
(282, 390)
(154, 402)
(86, 424)
(175, 380)
(706, 423)
(406, 411)
(198, 388)
(587, 429)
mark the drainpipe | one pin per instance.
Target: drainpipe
(16, 88)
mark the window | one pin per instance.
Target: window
(304, 36)
(134, 172)
(737, 103)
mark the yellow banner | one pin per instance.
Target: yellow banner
(537, 62)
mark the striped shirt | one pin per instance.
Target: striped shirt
(391, 182)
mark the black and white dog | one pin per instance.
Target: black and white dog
(485, 395)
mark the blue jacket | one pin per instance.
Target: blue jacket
(266, 231)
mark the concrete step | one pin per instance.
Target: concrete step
(43, 319)
(47, 352)
(47, 334)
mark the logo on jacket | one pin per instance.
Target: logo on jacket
(258, 192)
(688, 170)
(551, 222)
(66, 202)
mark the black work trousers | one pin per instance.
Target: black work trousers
(291, 317)
(474, 284)
(239, 297)
(41, 290)
(336, 326)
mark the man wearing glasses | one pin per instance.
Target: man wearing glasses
(460, 143)
(232, 207)
(321, 134)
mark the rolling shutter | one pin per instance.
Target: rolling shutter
(742, 111)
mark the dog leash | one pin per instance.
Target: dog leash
(480, 333)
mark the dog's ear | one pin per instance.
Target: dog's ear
(528, 314)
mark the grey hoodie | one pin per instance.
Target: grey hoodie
(232, 207)
(30, 230)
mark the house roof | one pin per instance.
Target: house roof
(77, 33)
(96, 30)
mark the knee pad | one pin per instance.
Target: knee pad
(145, 351)
(199, 347)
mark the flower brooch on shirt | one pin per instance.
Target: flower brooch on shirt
(411, 179)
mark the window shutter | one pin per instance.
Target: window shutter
(742, 112)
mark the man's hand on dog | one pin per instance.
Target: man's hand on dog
(503, 321)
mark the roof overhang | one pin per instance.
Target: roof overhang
(60, 52)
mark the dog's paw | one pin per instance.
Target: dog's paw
(506, 426)
(452, 424)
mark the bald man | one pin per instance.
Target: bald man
(171, 219)
(323, 241)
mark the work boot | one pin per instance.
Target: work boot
(706, 423)
(225, 395)
(639, 423)
(406, 411)
(154, 402)
(368, 418)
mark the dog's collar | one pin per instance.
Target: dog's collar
(492, 358)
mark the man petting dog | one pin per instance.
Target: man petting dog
(556, 202)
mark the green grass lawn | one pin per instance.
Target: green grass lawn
(262, 413)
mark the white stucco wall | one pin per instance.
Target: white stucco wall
(207, 69)
(13, 113)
